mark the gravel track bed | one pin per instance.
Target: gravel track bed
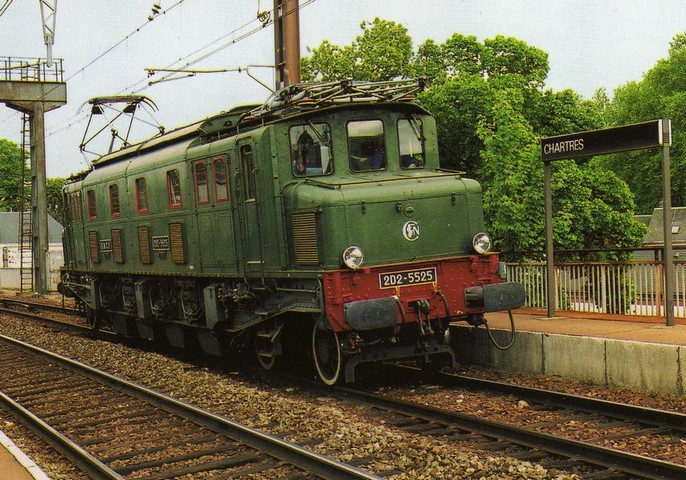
(348, 432)
(50, 461)
(338, 429)
(510, 409)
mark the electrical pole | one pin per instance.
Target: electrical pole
(286, 42)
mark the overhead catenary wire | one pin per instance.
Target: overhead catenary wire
(143, 84)
(265, 21)
(127, 37)
(103, 54)
(5, 6)
(263, 17)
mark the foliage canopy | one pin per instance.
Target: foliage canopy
(660, 94)
(11, 159)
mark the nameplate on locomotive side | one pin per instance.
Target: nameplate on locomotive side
(106, 245)
(407, 277)
(161, 243)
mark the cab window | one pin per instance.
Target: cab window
(366, 146)
(411, 141)
(311, 149)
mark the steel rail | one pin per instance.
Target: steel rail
(33, 306)
(636, 413)
(320, 465)
(81, 328)
(84, 460)
(645, 415)
(629, 463)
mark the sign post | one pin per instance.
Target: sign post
(638, 136)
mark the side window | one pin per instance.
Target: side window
(411, 141)
(115, 209)
(173, 189)
(202, 193)
(221, 184)
(311, 149)
(142, 205)
(366, 146)
(248, 164)
(90, 200)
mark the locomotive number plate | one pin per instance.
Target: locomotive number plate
(408, 277)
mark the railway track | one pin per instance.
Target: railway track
(613, 423)
(33, 306)
(114, 429)
(31, 310)
(540, 440)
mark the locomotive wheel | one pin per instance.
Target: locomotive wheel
(326, 351)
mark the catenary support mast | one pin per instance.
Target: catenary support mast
(286, 42)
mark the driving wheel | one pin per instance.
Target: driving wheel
(326, 351)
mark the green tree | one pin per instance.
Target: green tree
(660, 94)
(382, 52)
(11, 158)
(510, 168)
(55, 199)
(510, 56)
(592, 209)
(458, 105)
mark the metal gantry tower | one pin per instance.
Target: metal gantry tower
(29, 86)
(34, 86)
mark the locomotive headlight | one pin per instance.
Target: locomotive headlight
(482, 243)
(353, 257)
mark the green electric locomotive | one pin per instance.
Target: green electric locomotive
(318, 221)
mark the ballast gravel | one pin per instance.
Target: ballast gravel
(340, 430)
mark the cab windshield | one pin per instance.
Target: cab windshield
(411, 141)
(366, 146)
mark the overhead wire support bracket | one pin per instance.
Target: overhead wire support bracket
(193, 72)
(48, 12)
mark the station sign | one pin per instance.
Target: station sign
(638, 136)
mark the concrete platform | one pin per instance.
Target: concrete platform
(638, 353)
(15, 465)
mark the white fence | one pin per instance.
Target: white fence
(625, 288)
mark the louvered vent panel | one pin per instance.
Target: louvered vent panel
(117, 253)
(305, 244)
(93, 246)
(176, 240)
(144, 245)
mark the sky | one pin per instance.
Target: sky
(590, 44)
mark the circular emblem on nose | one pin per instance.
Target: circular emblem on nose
(411, 231)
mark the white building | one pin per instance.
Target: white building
(10, 235)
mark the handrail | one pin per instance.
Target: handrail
(26, 69)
